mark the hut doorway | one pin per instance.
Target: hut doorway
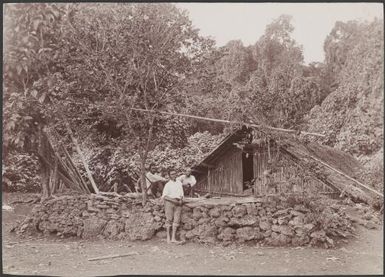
(247, 169)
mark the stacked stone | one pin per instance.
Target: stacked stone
(264, 223)
(268, 221)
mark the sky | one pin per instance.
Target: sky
(247, 21)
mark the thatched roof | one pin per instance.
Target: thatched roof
(343, 162)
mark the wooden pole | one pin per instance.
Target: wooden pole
(350, 178)
(113, 256)
(69, 166)
(228, 121)
(74, 140)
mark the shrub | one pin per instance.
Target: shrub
(21, 173)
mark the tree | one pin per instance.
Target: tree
(278, 62)
(352, 115)
(124, 56)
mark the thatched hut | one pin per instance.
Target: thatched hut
(245, 163)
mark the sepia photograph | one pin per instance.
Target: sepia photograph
(192, 138)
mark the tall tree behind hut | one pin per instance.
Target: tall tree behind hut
(105, 59)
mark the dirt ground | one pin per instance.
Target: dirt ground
(69, 257)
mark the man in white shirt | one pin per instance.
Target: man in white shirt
(173, 200)
(188, 182)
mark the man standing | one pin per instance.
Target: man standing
(173, 200)
(188, 182)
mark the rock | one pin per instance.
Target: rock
(185, 209)
(221, 221)
(93, 226)
(281, 213)
(264, 225)
(258, 235)
(267, 233)
(301, 208)
(239, 211)
(206, 232)
(300, 231)
(114, 216)
(370, 225)
(308, 226)
(197, 214)
(126, 213)
(300, 240)
(204, 220)
(187, 218)
(251, 209)
(318, 234)
(227, 234)
(245, 234)
(247, 220)
(282, 229)
(330, 241)
(190, 235)
(286, 230)
(368, 216)
(226, 208)
(228, 214)
(278, 240)
(297, 221)
(262, 212)
(215, 212)
(297, 213)
(182, 235)
(141, 226)
(275, 228)
(283, 220)
(335, 207)
(161, 234)
(187, 226)
(112, 229)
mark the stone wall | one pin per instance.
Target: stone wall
(268, 221)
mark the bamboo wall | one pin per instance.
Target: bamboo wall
(288, 178)
(227, 176)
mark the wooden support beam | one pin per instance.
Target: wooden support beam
(228, 122)
(61, 175)
(69, 167)
(74, 140)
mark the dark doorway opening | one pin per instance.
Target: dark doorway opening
(247, 169)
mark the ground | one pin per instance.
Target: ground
(69, 257)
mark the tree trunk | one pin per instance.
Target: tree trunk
(143, 180)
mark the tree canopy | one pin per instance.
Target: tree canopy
(89, 64)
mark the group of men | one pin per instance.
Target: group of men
(172, 191)
(155, 182)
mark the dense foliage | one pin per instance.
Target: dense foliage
(352, 115)
(64, 63)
